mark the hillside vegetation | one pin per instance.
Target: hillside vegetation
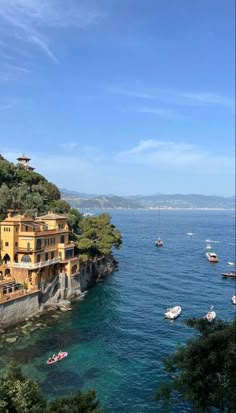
(174, 201)
(32, 194)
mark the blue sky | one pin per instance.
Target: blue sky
(124, 97)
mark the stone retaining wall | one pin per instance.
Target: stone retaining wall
(17, 310)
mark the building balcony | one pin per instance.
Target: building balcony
(68, 245)
(28, 250)
(17, 294)
(37, 265)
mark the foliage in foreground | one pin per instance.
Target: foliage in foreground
(204, 369)
(18, 394)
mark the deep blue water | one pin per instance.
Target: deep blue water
(117, 337)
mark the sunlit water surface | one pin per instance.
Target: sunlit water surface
(117, 337)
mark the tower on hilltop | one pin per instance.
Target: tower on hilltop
(23, 162)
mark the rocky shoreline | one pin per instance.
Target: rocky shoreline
(55, 297)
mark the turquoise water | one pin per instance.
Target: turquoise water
(117, 337)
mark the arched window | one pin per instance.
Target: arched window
(6, 259)
(62, 240)
(26, 258)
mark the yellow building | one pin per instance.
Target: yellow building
(35, 251)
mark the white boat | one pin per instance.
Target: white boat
(159, 242)
(173, 312)
(210, 316)
(231, 263)
(189, 233)
(233, 299)
(208, 246)
(212, 257)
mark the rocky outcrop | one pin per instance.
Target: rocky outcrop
(58, 293)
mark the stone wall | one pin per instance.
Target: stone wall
(17, 310)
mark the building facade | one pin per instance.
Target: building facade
(35, 251)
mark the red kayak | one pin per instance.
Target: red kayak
(61, 355)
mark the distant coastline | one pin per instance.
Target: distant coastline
(152, 202)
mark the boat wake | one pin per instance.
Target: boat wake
(210, 240)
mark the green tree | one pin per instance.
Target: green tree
(76, 403)
(98, 236)
(59, 206)
(19, 394)
(204, 369)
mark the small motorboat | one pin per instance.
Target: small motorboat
(212, 257)
(231, 263)
(231, 274)
(233, 299)
(173, 312)
(189, 233)
(61, 355)
(159, 242)
(211, 315)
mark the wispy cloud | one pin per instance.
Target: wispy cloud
(205, 98)
(176, 156)
(30, 20)
(156, 111)
(150, 166)
(173, 97)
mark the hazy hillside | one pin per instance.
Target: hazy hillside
(174, 201)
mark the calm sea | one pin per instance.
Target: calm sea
(117, 337)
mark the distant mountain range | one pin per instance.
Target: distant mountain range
(176, 201)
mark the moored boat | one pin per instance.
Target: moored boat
(61, 355)
(159, 242)
(211, 315)
(233, 299)
(212, 257)
(231, 274)
(173, 312)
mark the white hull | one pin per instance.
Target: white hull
(173, 313)
(233, 299)
(210, 316)
(212, 257)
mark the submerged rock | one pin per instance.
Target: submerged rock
(11, 340)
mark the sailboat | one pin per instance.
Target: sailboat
(159, 242)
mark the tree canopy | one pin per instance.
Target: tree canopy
(204, 369)
(19, 394)
(97, 236)
(24, 191)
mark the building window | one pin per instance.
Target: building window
(26, 258)
(38, 258)
(62, 239)
(46, 256)
(28, 246)
(69, 254)
(26, 228)
(52, 255)
(6, 244)
(16, 244)
(38, 244)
